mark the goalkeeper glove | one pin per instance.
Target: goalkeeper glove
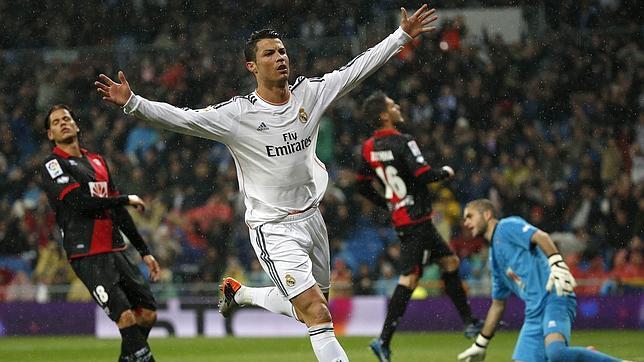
(476, 352)
(560, 276)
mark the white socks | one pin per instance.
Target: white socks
(325, 345)
(268, 298)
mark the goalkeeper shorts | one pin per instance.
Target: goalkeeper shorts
(557, 317)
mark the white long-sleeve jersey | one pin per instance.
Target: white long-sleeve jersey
(273, 145)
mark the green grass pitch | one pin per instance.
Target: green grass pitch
(407, 347)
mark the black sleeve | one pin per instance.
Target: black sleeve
(124, 221)
(415, 161)
(80, 201)
(61, 186)
(431, 175)
(365, 188)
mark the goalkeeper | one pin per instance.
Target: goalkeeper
(525, 261)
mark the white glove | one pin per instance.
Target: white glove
(560, 276)
(449, 170)
(476, 352)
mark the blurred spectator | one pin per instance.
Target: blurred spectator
(549, 128)
(341, 279)
(363, 281)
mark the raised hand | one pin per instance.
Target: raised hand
(117, 93)
(420, 22)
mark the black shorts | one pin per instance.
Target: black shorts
(420, 245)
(115, 283)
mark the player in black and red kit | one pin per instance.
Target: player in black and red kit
(396, 162)
(90, 212)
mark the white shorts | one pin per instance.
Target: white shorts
(294, 252)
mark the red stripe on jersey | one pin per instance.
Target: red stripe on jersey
(400, 218)
(422, 170)
(98, 164)
(366, 150)
(76, 256)
(67, 190)
(102, 237)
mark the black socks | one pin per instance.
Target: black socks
(395, 311)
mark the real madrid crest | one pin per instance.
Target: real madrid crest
(303, 116)
(290, 281)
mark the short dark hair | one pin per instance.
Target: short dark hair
(482, 205)
(250, 49)
(55, 108)
(375, 104)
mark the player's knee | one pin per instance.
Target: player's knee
(314, 313)
(556, 351)
(146, 317)
(126, 319)
(410, 280)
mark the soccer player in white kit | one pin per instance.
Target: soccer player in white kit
(272, 134)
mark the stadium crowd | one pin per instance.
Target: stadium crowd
(550, 128)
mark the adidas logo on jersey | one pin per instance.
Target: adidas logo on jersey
(262, 127)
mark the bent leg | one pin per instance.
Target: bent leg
(557, 326)
(268, 298)
(558, 351)
(311, 306)
(145, 319)
(133, 344)
(529, 345)
(397, 306)
(454, 287)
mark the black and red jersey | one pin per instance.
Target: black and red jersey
(395, 160)
(88, 207)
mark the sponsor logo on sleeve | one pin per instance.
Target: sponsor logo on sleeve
(413, 147)
(98, 189)
(54, 169)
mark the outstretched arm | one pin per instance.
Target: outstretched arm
(214, 122)
(365, 188)
(341, 81)
(477, 351)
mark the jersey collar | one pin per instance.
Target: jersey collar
(385, 132)
(58, 151)
(493, 232)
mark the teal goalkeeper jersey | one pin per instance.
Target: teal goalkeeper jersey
(518, 265)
